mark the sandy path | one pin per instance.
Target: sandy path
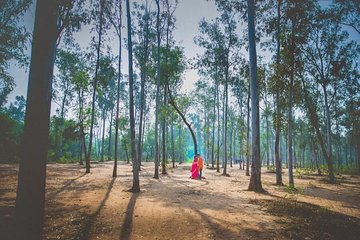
(97, 206)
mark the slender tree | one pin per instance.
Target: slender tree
(100, 28)
(116, 21)
(255, 179)
(136, 181)
(156, 173)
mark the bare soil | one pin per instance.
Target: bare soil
(97, 206)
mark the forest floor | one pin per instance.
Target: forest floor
(97, 206)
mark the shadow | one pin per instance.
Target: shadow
(351, 198)
(126, 228)
(7, 222)
(54, 194)
(219, 231)
(84, 233)
(309, 221)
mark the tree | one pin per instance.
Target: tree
(116, 21)
(136, 183)
(255, 179)
(158, 74)
(30, 198)
(13, 39)
(100, 27)
(329, 59)
(68, 64)
(347, 13)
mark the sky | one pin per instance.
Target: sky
(188, 14)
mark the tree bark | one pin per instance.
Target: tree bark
(156, 173)
(103, 136)
(315, 124)
(136, 181)
(247, 172)
(98, 47)
(110, 135)
(172, 102)
(278, 162)
(255, 179)
(30, 198)
(118, 93)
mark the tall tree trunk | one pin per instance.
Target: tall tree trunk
(328, 126)
(289, 144)
(278, 162)
(172, 142)
(213, 134)
(136, 181)
(218, 130)
(267, 136)
(247, 172)
(231, 143)
(142, 91)
(314, 119)
(118, 29)
(164, 135)
(60, 129)
(103, 136)
(156, 174)
(30, 197)
(225, 127)
(98, 47)
(110, 135)
(181, 154)
(290, 106)
(255, 179)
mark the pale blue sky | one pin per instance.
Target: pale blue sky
(188, 14)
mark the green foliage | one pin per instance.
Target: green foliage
(13, 39)
(292, 190)
(10, 138)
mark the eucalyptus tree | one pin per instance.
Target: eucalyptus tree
(255, 179)
(72, 15)
(81, 81)
(201, 96)
(68, 64)
(106, 92)
(219, 59)
(13, 39)
(346, 13)
(174, 66)
(240, 92)
(136, 181)
(157, 103)
(169, 25)
(145, 33)
(330, 56)
(101, 24)
(228, 59)
(30, 197)
(115, 17)
(207, 64)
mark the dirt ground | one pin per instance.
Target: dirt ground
(97, 206)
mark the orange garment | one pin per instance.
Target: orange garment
(200, 163)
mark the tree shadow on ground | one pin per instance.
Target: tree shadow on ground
(307, 221)
(53, 194)
(84, 232)
(126, 228)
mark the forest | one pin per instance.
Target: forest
(117, 107)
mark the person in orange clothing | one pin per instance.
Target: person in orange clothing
(200, 165)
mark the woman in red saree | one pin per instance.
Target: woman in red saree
(194, 169)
